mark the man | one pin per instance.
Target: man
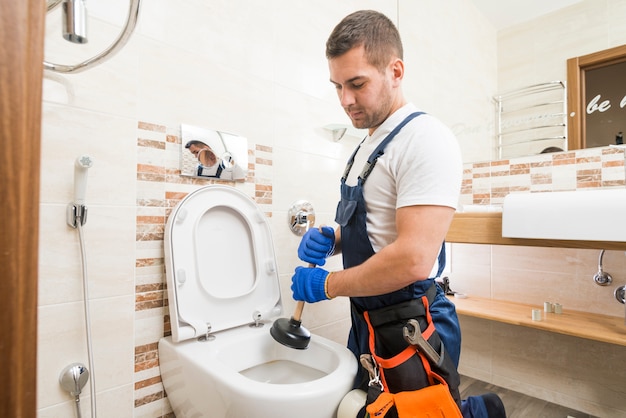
(398, 197)
(208, 166)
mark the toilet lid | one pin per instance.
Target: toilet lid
(220, 263)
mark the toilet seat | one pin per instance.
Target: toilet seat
(221, 267)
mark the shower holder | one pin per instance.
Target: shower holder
(73, 378)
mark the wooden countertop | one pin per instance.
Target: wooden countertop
(486, 228)
(608, 329)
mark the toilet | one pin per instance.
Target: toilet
(224, 294)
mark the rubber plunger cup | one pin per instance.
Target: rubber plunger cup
(290, 332)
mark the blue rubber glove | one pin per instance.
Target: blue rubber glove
(307, 284)
(315, 246)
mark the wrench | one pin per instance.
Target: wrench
(413, 335)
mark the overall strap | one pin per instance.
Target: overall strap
(351, 161)
(371, 161)
(380, 149)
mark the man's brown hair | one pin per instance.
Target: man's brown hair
(375, 31)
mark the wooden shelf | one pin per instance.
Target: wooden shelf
(604, 328)
(486, 228)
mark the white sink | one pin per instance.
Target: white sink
(590, 215)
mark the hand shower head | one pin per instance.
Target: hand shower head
(82, 164)
(75, 21)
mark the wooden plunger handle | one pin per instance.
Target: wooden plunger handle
(297, 314)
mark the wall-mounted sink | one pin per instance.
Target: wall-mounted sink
(589, 215)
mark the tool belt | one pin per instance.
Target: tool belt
(409, 377)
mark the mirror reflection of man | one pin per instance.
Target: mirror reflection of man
(210, 165)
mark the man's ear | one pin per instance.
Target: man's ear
(397, 70)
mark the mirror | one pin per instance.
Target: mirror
(596, 98)
(215, 155)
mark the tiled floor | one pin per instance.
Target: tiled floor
(518, 405)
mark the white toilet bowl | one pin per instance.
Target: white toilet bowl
(222, 282)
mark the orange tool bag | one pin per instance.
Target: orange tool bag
(404, 382)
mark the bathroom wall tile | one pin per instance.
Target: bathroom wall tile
(58, 282)
(210, 103)
(569, 286)
(471, 280)
(150, 266)
(117, 402)
(537, 363)
(65, 409)
(515, 46)
(481, 184)
(335, 331)
(112, 333)
(302, 128)
(577, 30)
(296, 37)
(457, 56)
(477, 348)
(149, 249)
(519, 257)
(327, 312)
(516, 361)
(471, 269)
(551, 40)
(62, 342)
(149, 326)
(316, 181)
(112, 11)
(148, 388)
(150, 193)
(472, 254)
(564, 177)
(109, 237)
(157, 408)
(109, 243)
(616, 14)
(221, 31)
(67, 135)
(288, 303)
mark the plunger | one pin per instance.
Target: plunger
(290, 332)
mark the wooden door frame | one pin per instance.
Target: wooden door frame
(576, 98)
(21, 74)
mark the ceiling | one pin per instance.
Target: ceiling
(503, 14)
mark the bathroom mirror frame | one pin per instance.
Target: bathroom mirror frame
(576, 97)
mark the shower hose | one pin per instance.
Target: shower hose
(92, 379)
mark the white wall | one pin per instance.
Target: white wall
(253, 68)
(537, 51)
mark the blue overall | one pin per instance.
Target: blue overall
(357, 248)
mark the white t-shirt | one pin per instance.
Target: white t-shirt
(422, 165)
